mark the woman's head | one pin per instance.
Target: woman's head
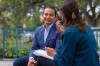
(71, 13)
(69, 8)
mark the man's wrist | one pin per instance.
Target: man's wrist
(31, 58)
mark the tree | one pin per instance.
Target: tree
(19, 12)
(17, 9)
(91, 11)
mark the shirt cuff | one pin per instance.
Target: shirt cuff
(31, 58)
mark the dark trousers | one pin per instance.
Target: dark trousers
(41, 61)
(22, 61)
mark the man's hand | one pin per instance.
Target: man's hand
(60, 26)
(31, 62)
(50, 51)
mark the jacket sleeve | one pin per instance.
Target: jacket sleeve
(58, 40)
(34, 45)
(66, 52)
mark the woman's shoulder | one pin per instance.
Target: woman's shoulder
(72, 29)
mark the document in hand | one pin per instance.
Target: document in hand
(42, 53)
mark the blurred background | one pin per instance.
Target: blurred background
(19, 18)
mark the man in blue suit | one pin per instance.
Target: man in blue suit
(46, 35)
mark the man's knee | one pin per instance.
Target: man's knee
(45, 62)
(16, 63)
(21, 61)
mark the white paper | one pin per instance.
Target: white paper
(42, 53)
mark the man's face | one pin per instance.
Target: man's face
(49, 16)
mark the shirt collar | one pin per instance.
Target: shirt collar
(48, 29)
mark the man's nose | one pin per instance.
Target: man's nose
(48, 16)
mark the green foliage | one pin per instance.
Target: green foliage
(18, 10)
(1, 52)
(23, 52)
(10, 53)
(53, 2)
(14, 42)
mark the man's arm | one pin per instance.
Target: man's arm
(58, 40)
(32, 60)
(34, 45)
(52, 51)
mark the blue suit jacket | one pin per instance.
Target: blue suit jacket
(53, 39)
(78, 49)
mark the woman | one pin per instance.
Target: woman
(79, 47)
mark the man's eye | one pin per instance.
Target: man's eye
(46, 14)
(51, 14)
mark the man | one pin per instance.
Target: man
(60, 26)
(46, 35)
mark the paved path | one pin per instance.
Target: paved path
(9, 62)
(6, 62)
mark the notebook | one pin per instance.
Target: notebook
(42, 53)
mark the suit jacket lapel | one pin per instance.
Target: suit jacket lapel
(50, 33)
(42, 35)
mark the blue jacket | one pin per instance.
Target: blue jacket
(52, 41)
(78, 49)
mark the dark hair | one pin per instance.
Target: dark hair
(52, 7)
(70, 9)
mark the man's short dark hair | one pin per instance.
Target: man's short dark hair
(52, 7)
